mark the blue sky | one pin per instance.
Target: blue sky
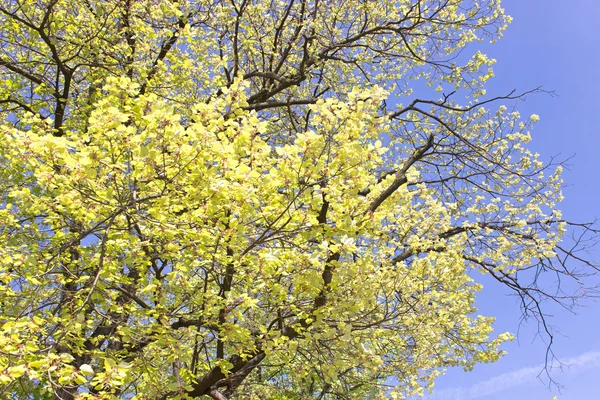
(555, 44)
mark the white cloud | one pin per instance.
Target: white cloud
(572, 366)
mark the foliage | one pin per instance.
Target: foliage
(224, 199)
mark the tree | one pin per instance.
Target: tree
(244, 199)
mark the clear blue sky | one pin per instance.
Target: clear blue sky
(556, 44)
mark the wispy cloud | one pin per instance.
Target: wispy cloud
(572, 366)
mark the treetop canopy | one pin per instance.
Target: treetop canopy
(246, 199)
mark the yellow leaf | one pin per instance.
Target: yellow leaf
(86, 369)
(17, 371)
